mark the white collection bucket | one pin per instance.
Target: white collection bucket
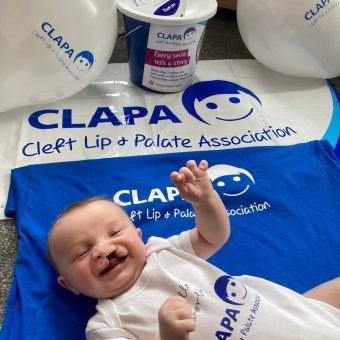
(163, 51)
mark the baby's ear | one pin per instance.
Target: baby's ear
(139, 232)
(65, 284)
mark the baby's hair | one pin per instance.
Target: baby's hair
(79, 204)
(68, 209)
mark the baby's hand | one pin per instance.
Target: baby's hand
(175, 319)
(193, 183)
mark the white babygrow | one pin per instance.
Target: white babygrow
(223, 307)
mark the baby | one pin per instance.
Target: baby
(165, 289)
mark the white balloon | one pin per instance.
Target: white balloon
(52, 49)
(294, 37)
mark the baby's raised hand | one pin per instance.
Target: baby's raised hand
(175, 319)
(192, 182)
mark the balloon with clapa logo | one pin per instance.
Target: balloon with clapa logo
(298, 38)
(52, 49)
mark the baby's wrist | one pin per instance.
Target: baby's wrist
(207, 202)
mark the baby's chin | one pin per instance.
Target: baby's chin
(117, 290)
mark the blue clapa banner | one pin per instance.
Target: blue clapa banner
(283, 203)
(231, 104)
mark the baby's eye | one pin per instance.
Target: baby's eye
(211, 106)
(115, 232)
(81, 253)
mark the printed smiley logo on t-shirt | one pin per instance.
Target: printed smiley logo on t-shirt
(229, 180)
(230, 291)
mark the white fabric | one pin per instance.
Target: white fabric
(259, 309)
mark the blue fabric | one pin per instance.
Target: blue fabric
(332, 132)
(285, 226)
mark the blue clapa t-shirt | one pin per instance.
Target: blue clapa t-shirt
(283, 202)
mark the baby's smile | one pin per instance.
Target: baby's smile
(113, 261)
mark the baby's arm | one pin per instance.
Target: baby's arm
(175, 320)
(212, 222)
(328, 292)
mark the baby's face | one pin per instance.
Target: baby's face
(98, 250)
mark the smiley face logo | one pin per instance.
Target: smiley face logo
(83, 61)
(224, 107)
(189, 33)
(229, 180)
(219, 100)
(230, 291)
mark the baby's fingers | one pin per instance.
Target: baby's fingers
(176, 177)
(182, 176)
(197, 170)
(187, 174)
(203, 164)
(186, 325)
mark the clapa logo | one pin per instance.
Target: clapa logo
(83, 60)
(188, 35)
(220, 100)
(229, 180)
(230, 291)
(209, 102)
(319, 6)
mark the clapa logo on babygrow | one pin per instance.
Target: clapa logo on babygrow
(61, 47)
(188, 34)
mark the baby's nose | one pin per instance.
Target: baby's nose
(102, 251)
